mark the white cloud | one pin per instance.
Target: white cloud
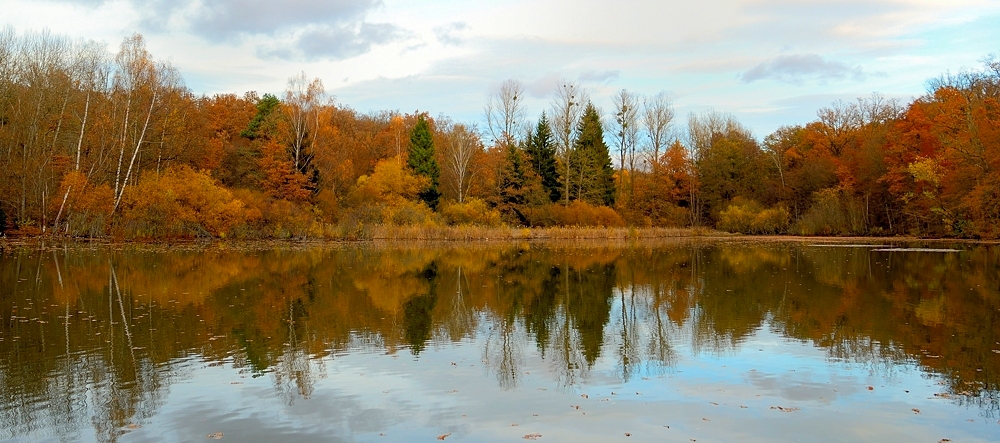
(443, 56)
(796, 68)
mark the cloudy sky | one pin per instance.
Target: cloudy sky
(769, 62)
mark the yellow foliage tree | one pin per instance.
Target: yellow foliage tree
(180, 202)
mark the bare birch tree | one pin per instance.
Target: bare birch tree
(626, 133)
(302, 101)
(136, 86)
(505, 113)
(657, 116)
(567, 107)
(462, 147)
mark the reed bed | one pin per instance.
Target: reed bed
(483, 233)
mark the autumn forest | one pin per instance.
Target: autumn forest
(111, 144)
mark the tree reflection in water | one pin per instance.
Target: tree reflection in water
(94, 337)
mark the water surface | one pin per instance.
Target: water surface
(683, 341)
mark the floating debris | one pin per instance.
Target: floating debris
(443, 436)
(535, 436)
(782, 409)
(916, 250)
(839, 245)
(215, 436)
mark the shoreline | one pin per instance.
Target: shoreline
(473, 236)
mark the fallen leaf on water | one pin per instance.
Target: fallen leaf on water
(742, 407)
(584, 395)
(944, 440)
(871, 388)
(532, 436)
(703, 418)
(215, 436)
(784, 409)
(443, 436)
(714, 403)
(916, 411)
(513, 424)
(574, 406)
(627, 434)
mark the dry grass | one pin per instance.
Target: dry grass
(481, 233)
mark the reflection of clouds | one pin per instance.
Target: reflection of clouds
(800, 386)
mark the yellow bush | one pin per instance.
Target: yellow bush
(578, 213)
(179, 202)
(472, 212)
(748, 217)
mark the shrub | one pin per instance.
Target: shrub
(471, 212)
(833, 212)
(748, 217)
(578, 213)
(179, 202)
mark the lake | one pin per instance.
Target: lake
(686, 341)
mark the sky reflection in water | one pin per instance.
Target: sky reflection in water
(689, 340)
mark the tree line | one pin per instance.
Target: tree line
(102, 144)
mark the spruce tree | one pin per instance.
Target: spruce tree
(261, 125)
(422, 162)
(541, 149)
(593, 175)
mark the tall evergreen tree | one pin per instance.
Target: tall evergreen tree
(541, 149)
(519, 186)
(422, 160)
(262, 123)
(590, 164)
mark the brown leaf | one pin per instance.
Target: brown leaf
(443, 436)
(215, 436)
(534, 436)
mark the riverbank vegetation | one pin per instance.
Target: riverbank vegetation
(113, 145)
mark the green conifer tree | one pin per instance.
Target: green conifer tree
(541, 149)
(590, 164)
(422, 162)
